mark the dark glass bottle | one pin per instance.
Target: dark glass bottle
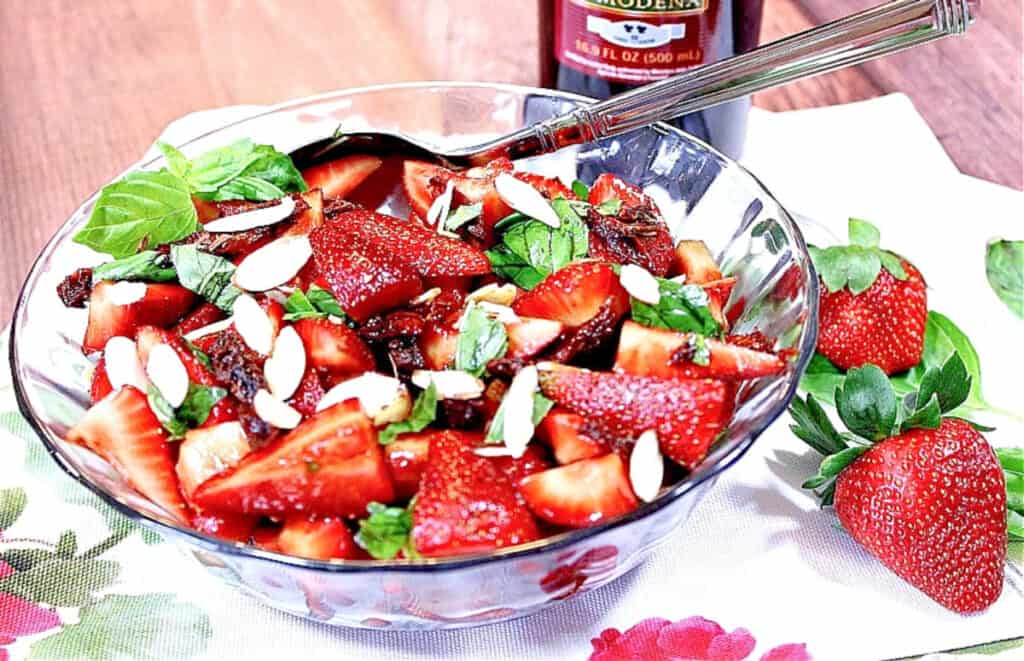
(603, 47)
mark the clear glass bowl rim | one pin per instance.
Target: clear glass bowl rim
(562, 540)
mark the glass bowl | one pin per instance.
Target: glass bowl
(703, 195)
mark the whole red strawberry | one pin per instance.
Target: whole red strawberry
(925, 494)
(873, 305)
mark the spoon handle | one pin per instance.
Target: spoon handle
(870, 34)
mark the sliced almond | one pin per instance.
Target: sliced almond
(166, 371)
(426, 296)
(209, 451)
(253, 324)
(450, 384)
(381, 397)
(646, 467)
(494, 293)
(437, 214)
(247, 220)
(502, 313)
(121, 361)
(124, 292)
(517, 429)
(274, 264)
(274, 411)
(285, 366)
(640, 284)
(525, 199)
(494, 451)
(210, 329)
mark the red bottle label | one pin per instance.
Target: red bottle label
(633, 41)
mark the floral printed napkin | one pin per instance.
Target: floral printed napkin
(758, 573)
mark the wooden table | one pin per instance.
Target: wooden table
(87, 85)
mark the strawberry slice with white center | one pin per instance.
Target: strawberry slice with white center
(666, 354)
(407, 457)
(208, 451)
(693, 259)
(686, 414)
(110, 314)
(334, 347)
(123, 430)
(529, 336)
(319, 538)
(341, 176)
(330, 464)
(423, 182)
(584, 493)
(574, 295)
(566, 434)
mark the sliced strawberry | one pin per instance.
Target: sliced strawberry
(265, 536)
(637, 234)
(529, 336)
(231, 527)
(148, 337)
(209, 451)
(466, 504)
(308, 394)
(407, 457)
(334, 347)
(438, 340)
(574, 295)
(122, 430)
(312, 217)
(364, 278)
(319, 538)
(694, 260)
(566, 434)
(517, 468)
(101, 386)
(330, 464)
(581, 494)
(206, 210)
(493, 208)
(645, 351)
(718, 292)
(204, 315)
(224, 410)
(423, 182)
(609, 187)
(686, 414)
(340, 177)
(429, 253)
(383, 183)
(161, 305)
(549, 187)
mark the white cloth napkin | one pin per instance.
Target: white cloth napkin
(757, 553)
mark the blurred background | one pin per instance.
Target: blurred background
(87, 85)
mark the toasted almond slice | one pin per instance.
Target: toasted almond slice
(525, 199)
(166, 371)
(450, 384)
(495, 451)
(274, 411)
(646, 467)
(247, 220)
(494, 293)
(274, 264)
(253, 324)
(640, 284)
(426, 296)
(210, 329)
(121, 360)
(517, 429)
(124, 292)
(381, 397)
(437, 214)
(284, 368)
(502, 313)
(679, 279)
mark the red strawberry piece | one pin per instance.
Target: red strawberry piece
(101, 386)
(529, 336)
(517, 468)
(319, 538)
(430, 254)
(341, 176)
(755, 340)
(309, 392)
(883, 325)
(224, 410)
(438, 340)
(364, 278)
(686, 414)
(574, 295)
(637, 234)
(330, 464)
(423, 182)
(204, 315)
(206, 210)
(148, 337)
(407, 457)
(549, 187)
(948, 541)
(311, 217)
(493, 208)
(230, 527)
(693, 259)
(466, 504)
(718, 292)
(645, 351)
(161, 305)
(383, 183)
(265, 535)
(334, 347)
(609, 187)
(123, 430)
(209, 451)
(580, 494)
(566, 434)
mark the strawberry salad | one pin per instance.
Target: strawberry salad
(279, 365)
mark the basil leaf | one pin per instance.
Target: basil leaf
(542, 247)
(424, 412)
(386, 531)
(192, 413)
(610, 207)
(1011, 459)
(1004, 268)
(205, 274)
(462, 215)
(316, 303)
(164, 412)
(495, 432)
(580, 189)
(213, 169)
(245, 187)
(177, 163)
(143, 208)
(241, 170)
(681, 308)
(147, 266)
(1015, 526)
(531, 250)
(481, 339)
(512, 267)
(1015, 491)
(867, 403)
(324, 301)
(276, 168)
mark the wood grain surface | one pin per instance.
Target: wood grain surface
(86, 85)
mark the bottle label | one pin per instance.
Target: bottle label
(633, 41)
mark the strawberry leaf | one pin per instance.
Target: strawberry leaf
(928, 416)
(950, 383)
(830, 468)
(813, 426)
(1004, 268)
(12, 504)
(867, 403)
(862, 233)
(856, 266)
(1011, 459)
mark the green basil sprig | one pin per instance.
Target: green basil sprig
(241, 170)
(386, 532)
(530, 250)
(481, 339)
(206, 274)
(681, 307)
(146, 266)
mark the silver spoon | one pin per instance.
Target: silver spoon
(867, 35)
